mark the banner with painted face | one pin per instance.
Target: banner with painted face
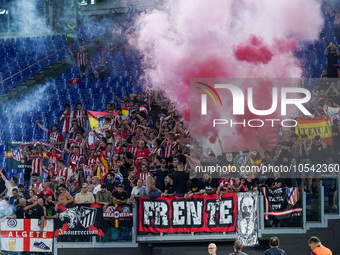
(246, 230)
(195, 214)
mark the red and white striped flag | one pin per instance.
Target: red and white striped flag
(292, 195)
(17, 154)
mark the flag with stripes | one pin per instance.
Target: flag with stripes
(87, 170)
(80, 220)
(88, 216)
(144, 109)
(292, 195)
(17, 154)
(281, 203)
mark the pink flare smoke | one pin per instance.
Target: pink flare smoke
(253, 51)
(196, 38)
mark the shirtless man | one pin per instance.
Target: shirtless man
(64, 196)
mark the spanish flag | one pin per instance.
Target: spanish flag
(104, 168)
(126, 111)
(96, 118)
(313, 127)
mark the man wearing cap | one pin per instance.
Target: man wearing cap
(103, 197)
(317, 248)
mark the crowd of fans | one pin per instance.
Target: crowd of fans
(148, 153)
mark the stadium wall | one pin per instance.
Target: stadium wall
(292, 244)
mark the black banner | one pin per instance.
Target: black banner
(118, 216)
(282, 203)
(80, 220)
(15, 158)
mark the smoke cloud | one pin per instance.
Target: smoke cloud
(27, 19)
(224, 38)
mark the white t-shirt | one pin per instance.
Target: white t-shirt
(136, 190)
(96, 189)
(9, 188)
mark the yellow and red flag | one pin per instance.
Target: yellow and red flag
(313, 127)
(96, 119)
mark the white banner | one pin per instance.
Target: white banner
(246, 230)
(25, 235)
(92, 137)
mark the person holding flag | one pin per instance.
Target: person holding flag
(53, 156)
(36, 157)
(103, 169)
(66, 118)
(56, 138)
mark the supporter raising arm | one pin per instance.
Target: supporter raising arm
(121, 102)
(56, 138)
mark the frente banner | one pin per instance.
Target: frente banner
(282, 203)
(80, 220)
(19, 235)
(195, 214)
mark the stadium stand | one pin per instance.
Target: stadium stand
(46, 105)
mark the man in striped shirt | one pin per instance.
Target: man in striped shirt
(66, 118)
(36, 157)
(133, 147)
(37, 186)
(142, 153)
(144, 173)
(108, 153)
(81, 143)
(64, 172)
(56, 138)
(76, 160)
(81, 115)
(169, 144)
(83, 61)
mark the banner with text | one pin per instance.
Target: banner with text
(313, 127)
(79, 220)
(118, 216)
(15, 158)
(282, 203)
(196, 214)
(20, 235)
